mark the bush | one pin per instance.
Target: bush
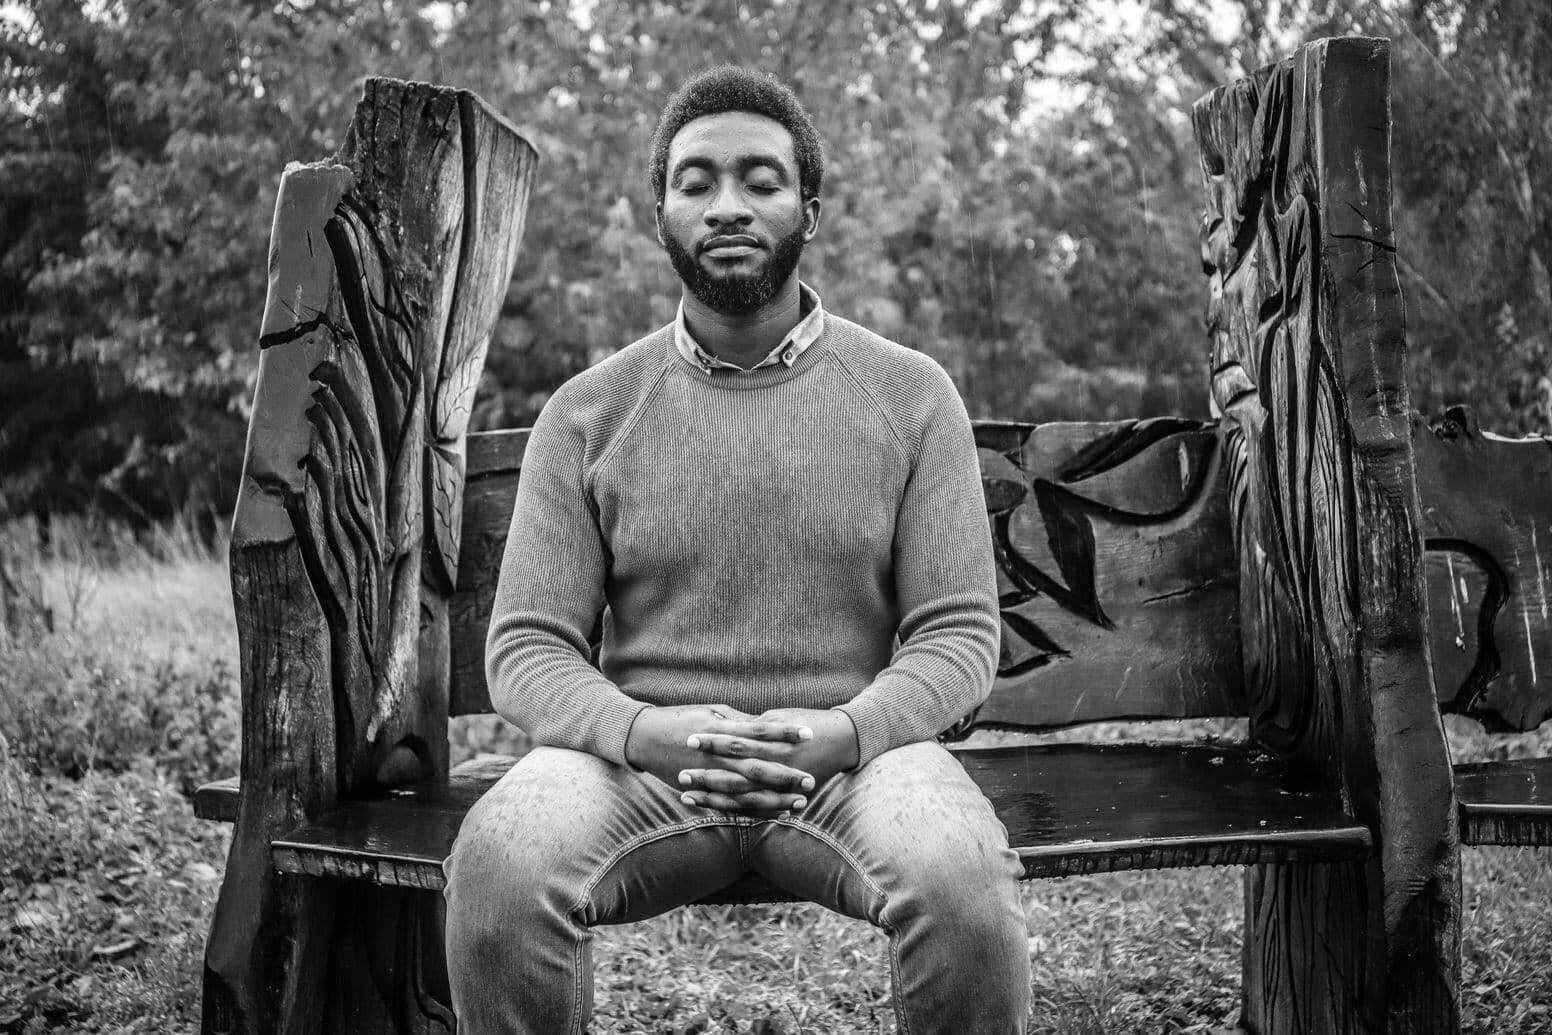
(68, 712)
(106, 723)
(105, 885)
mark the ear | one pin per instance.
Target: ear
(811, 210)
(657, 220)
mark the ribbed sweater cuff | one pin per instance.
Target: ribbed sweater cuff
(611, 725)
(873, 734)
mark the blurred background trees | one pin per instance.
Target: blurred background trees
(1012, 189)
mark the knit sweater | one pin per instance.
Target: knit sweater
(812, 536)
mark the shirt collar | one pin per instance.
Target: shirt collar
(787, 351)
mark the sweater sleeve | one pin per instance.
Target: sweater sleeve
(946, 586)
(548, 599)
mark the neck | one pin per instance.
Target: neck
(745, 338)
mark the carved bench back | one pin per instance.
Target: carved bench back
(1487, 525)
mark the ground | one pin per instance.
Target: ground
(108, 880)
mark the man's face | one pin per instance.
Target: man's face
(732, 218)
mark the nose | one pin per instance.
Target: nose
(727, 205)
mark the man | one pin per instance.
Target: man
(778, 517)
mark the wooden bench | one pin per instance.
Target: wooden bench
(1270, 565)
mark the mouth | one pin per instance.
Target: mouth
(730, 246)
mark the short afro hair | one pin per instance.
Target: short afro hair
(732, 88)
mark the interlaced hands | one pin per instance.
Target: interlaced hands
(728, 760)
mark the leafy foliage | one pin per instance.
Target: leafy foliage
(1013, 190)
(98, 887)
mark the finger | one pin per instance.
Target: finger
(768, 801)
(755, 761)
(771, 775)
(769, 730)
(754, 803)
(726, 746)
(732, 747)
(741, 775)
(723, 781)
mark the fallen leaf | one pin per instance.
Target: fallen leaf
(201, 871)
(37, 915)
(116, 949)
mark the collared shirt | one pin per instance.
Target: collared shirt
(787, 351)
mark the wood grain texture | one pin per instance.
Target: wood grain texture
(495, 458)
(217, 800)
(1507, 802)
(1306, 322)
(1501, 803)
(1116, 573)
(1487, 521)
(1069, 809)
(387, 267)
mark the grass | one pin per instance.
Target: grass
(107, 881)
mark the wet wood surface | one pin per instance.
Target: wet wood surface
(1507, 802)
(1501, 803)
(1307, 328)
(1069, 809)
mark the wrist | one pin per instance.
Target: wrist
(635, 733)
(846, 731)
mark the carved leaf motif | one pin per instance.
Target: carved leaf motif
(1105, 534)
(345, 540)
(1306, 327)
(1275, 386)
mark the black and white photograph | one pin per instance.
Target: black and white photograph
(783, 517)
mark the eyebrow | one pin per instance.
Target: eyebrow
(746, 162)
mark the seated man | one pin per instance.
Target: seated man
(779, 516)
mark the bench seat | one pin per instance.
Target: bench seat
(1505, 802)
(1069, 809)
(1501, 803)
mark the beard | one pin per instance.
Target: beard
(737, 294)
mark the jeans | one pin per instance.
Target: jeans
(566, 841)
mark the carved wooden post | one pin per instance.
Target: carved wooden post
(387, 269)
(1308, 348)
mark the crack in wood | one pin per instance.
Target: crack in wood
(1200, 587)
